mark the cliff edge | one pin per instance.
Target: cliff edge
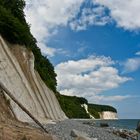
(18, 75)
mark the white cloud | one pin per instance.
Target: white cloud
(131, 65)
(49, 51)
(138, 53)
(90, 16)
(111, 98)
(46, 50)
(88, 77)
(45, 16)
(124, 12)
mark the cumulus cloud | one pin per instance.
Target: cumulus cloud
(45, 16)
(125, 13)
(131, 65)
(88, 77)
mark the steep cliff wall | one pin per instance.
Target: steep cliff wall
(108, 115)
(18, 75)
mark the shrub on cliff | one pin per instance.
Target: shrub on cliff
(71, 105)
(101, 108)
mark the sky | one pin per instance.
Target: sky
(94, 46)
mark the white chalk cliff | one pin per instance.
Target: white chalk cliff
(108, 115)
(18, 75)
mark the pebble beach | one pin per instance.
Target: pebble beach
(63, 130)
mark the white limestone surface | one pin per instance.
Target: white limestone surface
(18, 75)
(108, 115)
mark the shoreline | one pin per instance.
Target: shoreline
(63, 130)
(94, 119)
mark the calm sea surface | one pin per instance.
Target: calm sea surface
(121, 123)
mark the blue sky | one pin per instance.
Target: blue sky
(95, 48)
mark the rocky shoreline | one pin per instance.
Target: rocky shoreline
(86, 130)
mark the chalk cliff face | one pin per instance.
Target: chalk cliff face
(108, 115)
(18, 75)
(103, 115)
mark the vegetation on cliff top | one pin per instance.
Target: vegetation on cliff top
(71, 105)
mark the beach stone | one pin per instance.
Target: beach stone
(104, 125)
(80, 135)
(63, 130)
(85, 138)
(76, 133)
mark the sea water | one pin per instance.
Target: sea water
(120, 123)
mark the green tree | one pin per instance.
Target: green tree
(16, 7)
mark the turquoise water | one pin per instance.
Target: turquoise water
(121, 123)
